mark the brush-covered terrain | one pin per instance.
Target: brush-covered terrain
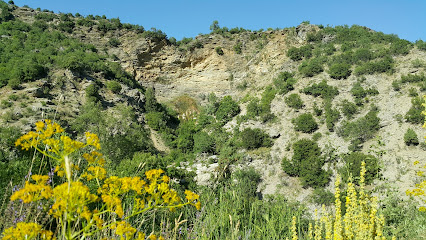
(258, 123)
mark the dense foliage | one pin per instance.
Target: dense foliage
(305, 123)
(307, 164)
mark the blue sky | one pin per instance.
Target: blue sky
(188, 18)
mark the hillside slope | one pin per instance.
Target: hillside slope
(377, 78)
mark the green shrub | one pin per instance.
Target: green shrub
(348, 108)
(151, 104)
(14, 83)
(353, 166)
(48, 17)
(396, 85)
(410, 137)
(362, 55)
(185, 136)
(311, 68)
(154, 34)
(66, 26)
(285, 82)
(5, 14)
(114, 42)
(329, 49)
(414, 114)
(360, 93)
(307, 164)
(114, 86)
(316, 136)
(297, 54)
(254, 138)
(156, 120)
(237, 48)
(362, 129)
(417, 63)
(6, 104)
(92, 92)
(331, 116)
(294, 101)
(219, 51)
(340, 70)
(268, 96)
(317, 110)
(314, 37)
(305, 123)
(227, 109)
(196, 44)
(412, 92)
(321, 89)
(400, 47)
(321, 197)
(413, 78)
(203, 143)
(385, 65)
(253, 108)
(421, 45)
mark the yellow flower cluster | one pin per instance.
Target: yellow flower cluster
(44, 131)
(47, 133)
(24, 231)
(72, 202)
(34, 192)
(360, 221)
(124, 229)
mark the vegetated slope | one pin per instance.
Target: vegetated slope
(339, 89)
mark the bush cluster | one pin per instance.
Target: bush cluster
(360, 93)
(361, 129)
(114, 86)
(348, 108)
(413, 78)
(352, 167)
(381, 66)
(297, 54)
(340, 71)
(321, 89)
(227, 109)
(311, 68)
(307, 164)
(254, 138)
(414, 114)
(285, 82)
(294, 101)
(305, 123)
(332, 115)
(410, 137)
(421, 45)
(219, 51)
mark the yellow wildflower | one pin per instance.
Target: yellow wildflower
(33, 192)
(94, 173)
(93, 140)
(293, 229)
(70, 145)
(141, 236)
(123, 228)
(153, 174)
(72, 200)
(26, 231)
(113, 204)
